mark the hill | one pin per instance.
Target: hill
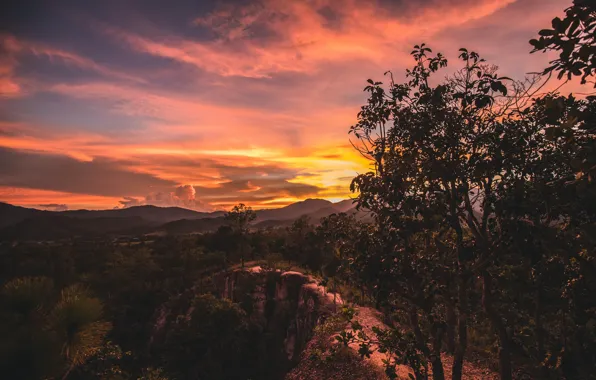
(10, 214)
(293, 211)
(189, 226)
(149, 213)
(344, 206)
(20, 223)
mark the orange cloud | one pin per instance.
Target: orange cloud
(9, 87)
(323, 168)
(36, 197)
(301, 39)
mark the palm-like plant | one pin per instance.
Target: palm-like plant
(51, 337)
(75, 321)
(23, 297)
(26, 348)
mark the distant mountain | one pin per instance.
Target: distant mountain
(10, 214)
(272, 218)
(20, 223)
(344, 206)
(149, 213)
(317, 215)
(282, 218)
(293, 211)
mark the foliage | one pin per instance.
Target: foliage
(134, 282)
(214, 329)
(239, 219)
(105, 364)
(153, 374)
(480, 198)
(47, 334)
(574, 37)
(323, 360)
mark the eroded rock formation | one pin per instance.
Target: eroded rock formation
(285, 308)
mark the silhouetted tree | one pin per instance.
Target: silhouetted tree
(296, 248)
(482, 199)
(239, 219)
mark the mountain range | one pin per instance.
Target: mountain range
(20, 223)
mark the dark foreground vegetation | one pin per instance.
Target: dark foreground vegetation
(482, 245)
(484, 198)
(87, 308)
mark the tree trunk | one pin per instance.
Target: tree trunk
(462, 329)
(462, 294)
(68, 370)
(505, 370)
(538, 330)
(437, 364)
(418, 334)
(334, 295)
(451, 322)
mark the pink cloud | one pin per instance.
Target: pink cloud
(300, 39)
(9, 87)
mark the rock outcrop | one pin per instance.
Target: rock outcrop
(285, 308)
(289, 305)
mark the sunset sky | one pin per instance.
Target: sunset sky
(204, 104)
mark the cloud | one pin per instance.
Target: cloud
(181, 196)
(185, 193)
(256, 185)
(53, 207)
(188, 162)
(102, 177)
(131, 202)
(13, 47)
(34, 197)
(9, 87)
(264, 38)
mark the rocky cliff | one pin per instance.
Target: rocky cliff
(284, 309)
(288, 305)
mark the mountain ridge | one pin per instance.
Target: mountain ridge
(17, 222)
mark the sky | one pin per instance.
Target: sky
(206, 104)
